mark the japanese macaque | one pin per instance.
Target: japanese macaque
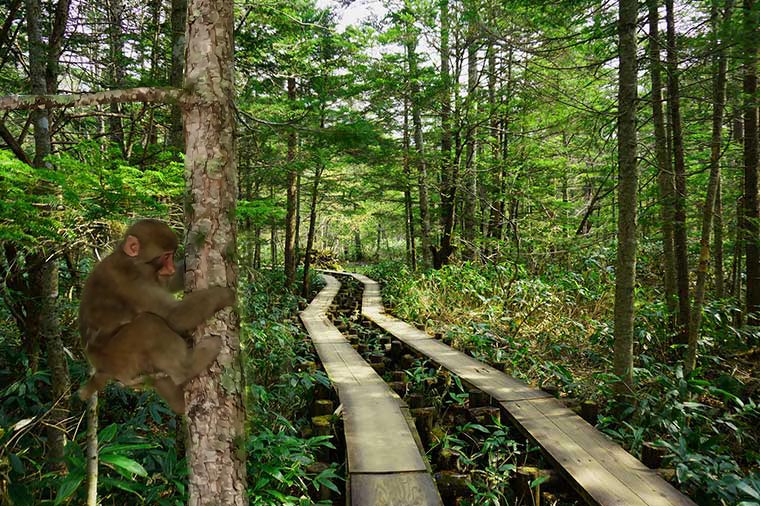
(132, 327)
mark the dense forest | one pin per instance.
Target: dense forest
(566, 190)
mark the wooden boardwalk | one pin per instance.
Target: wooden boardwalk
(599, 470)
(385, 467)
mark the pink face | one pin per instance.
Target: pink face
(167, 264)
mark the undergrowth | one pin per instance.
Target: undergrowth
(556, 328)
(141, 442)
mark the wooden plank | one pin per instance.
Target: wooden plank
(601, 471)
(484, 377)
(398, 489)
(378, 439)
(590, 479)
(384, 462)
(629, 470)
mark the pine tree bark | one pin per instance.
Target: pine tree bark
(419, 147)
(751, 209)
(215, 412)
(115, 10)
(43, 78)
(176, 137)
(664, 166)
(290, 216)
(719, 98)
(679, 200)
(470, 192)
(449, 170)
(720, 276)
(495, 217)
(625, 270)
(411, 252)
(305, 286)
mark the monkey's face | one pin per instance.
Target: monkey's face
(166, 262)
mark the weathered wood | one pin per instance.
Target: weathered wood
(403, 489)
(598, 469)
(384, 463)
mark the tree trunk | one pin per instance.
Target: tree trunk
(257, 247)
(751, 210)
(736, 264)
(449, 171)
(116, 70)
(43, 77)
(290, 217)
(305, 287)
(178, 26)
(411, 253)
(216, 431)
(495, 216)
(421, 163)
(625, 278)
(92, 450)
(720, 288)
(664, 167)
(719, 98)
(679, 201)
(358, 249)
(470, 191)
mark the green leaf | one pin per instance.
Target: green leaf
(120, 448)
(16, 464)
(68, 487)
(120, 462)
(108, 433)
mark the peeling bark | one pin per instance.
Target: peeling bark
(215, 413)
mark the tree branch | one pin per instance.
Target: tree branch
(144, 94)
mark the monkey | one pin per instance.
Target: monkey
(131, 325)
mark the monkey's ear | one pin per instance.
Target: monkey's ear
(131, 246)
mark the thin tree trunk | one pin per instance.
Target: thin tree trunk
(470, 192)
(664, 170)
(625, 278)
(92, 450)
(178, 26)
(257, 247)
(421, 163)
(679, 201)
(290, 217)
(736, 267)
(719, 98)
(216, 415)
(449, 171)
(751, 209)
(720, 289)
(312, 230)
(494, 217)
(116, 70)
(411, 253)
(43, 77)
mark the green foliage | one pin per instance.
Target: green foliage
(280, 383)
(555, 328)
(279, 468)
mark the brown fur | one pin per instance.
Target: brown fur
(131, 325)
